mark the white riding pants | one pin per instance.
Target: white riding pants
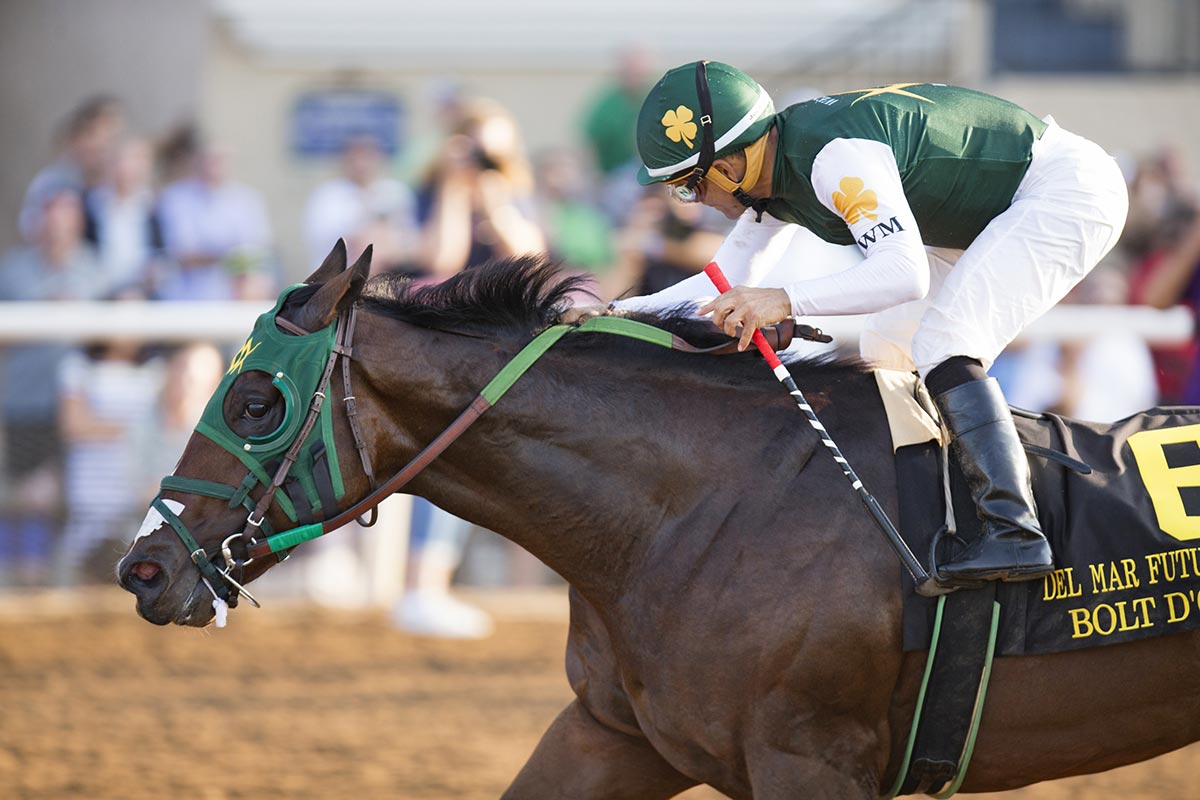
(1067, 213)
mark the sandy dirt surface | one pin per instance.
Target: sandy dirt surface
(292, 702)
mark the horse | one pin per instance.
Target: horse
(735, 616)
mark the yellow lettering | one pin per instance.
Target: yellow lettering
(1164, 483)
(1073, 589)
(1152, 567)
(1184, 604)
(1060, 584)
(1143, 605)
(1081, 622)
(1125, 626)
(1112, 619)
(1114, 577)
(1181, 557)
(1131, 578)
(1099, 584)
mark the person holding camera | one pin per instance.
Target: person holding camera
(477, 201)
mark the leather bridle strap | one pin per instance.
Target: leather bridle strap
(255, 519)
(488, 397)
(347, 352)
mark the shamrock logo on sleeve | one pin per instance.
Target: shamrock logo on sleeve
(853, 203)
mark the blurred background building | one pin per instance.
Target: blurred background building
(213, 150)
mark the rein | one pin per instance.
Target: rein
(496, 388)
(260, 540)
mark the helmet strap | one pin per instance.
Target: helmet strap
(706, 127)
(755, 155)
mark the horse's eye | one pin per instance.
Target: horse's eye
(256, 410)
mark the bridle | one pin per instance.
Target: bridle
(260, 540)
(226, 583)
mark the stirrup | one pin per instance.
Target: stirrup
(936, 574)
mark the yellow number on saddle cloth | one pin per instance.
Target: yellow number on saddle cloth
(1169, 461)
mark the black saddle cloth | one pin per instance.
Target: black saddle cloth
(1126, 538)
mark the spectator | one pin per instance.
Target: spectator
(121, 221)
(436, 543)
(363, 207)
(1170, 275)
(88, 139)
(608, 126)
(476, 204)
(193, 373)
(58, 267)
(1158, 197)
(477, 201)
(109, 394)
(175, 155)
(664, 243)
(216, 235)
(579, 235)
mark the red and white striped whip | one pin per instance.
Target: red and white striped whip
(926, 586)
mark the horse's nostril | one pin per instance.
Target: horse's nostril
(146, 571)
(143, 577)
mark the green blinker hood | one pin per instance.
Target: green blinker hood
(295, 364)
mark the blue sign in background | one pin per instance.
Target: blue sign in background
(324, 121)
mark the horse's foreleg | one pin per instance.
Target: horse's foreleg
(578, 758)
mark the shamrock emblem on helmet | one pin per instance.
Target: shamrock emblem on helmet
(679, 125)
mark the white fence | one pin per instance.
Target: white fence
(377, 573)
(231, 322)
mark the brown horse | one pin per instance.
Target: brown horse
(735, 615)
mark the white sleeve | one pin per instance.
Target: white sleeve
(858, 180)
(747, 256)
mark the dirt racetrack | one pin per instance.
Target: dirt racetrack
(293, 702)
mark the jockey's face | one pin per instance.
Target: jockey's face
(713, 196)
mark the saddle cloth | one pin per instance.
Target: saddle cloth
(1126, 538)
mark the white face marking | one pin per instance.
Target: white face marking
(154, 520)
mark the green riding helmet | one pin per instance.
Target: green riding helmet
(668, 126)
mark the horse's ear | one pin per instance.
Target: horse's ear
(335, 294)
(334, 264)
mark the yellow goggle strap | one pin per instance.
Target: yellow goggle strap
(755, 151)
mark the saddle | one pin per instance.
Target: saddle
(1120, 505)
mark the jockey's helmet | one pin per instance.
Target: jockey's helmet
(671, 130)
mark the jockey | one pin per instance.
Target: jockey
(974, 218)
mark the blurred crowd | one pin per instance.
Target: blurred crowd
(119, 215)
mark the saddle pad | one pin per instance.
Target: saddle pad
(1126, 538)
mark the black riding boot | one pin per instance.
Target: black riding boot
(1011, 546)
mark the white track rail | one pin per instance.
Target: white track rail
(231, 322)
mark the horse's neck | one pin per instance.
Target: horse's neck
(583, 467)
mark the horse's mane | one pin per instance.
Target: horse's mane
(519, 297)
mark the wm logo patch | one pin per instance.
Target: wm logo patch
(879, 232)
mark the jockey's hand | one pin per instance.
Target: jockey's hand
(577, 315)
(750, 308)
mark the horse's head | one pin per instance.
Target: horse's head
(260, 428)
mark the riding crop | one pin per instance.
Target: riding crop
(926, 586)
